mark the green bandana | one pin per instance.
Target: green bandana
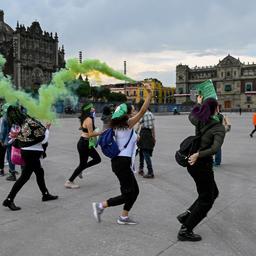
(87, 106)
(120, 111)
(216, 118)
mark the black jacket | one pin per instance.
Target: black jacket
(212, 139)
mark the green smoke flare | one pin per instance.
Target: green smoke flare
(49, 94)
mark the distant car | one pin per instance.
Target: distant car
(69, 110)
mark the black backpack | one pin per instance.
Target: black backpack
(189, 146)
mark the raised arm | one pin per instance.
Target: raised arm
(135, 119)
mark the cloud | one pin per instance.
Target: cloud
(153, 36)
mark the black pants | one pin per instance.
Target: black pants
(203, 176)
(121, 166)
(2, 156)
(253, 130)
(32, 164)
(84, 154)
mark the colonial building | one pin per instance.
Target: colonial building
(135, 92)
(234, 81)
(32, 54)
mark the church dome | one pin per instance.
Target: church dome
(6, 32)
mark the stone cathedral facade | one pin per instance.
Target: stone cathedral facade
(32, 54)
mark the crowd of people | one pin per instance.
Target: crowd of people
(135, 134)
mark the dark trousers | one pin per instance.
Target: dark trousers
(253, 130)
(145, 154)
(32, 164)
(203, 176)
(121, 166)
(84, 154)
(2, 156)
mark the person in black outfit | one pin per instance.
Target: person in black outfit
(200, 167)
(84, 147)
(30, 139)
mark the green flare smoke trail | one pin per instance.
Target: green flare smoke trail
(49, 94)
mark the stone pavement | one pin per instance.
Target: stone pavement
(66, 227)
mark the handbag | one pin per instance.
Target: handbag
(16, 157)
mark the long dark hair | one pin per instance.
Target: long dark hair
(206, 110)
(121, 122)
(15, 116)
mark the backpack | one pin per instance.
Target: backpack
(108, 143)
(189, 146)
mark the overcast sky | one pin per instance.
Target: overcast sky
(153, 36)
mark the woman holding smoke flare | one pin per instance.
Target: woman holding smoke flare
(207, 123)
(123, 121)
(31, 138)
(86, 145)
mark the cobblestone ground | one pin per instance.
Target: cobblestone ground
(66, 227)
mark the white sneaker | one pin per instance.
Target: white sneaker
(69, 184)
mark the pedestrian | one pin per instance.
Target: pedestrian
(225, 121)
(123, 122)
(254, 124)
(2, 149)
(204, 118)
(240, 111)
(30, 139)
(106, 116)
(4, 141)
(86, 145)
(146, 143)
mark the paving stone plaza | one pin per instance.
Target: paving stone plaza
(66, 226)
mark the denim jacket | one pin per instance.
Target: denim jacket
(4, 131)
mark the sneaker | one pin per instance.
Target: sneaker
(11, 177)
(80, 175)
(97, 211)
(126, 221)
(149, 176)
(69, 184)
(1, 172)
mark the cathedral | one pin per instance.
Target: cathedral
(31, 54)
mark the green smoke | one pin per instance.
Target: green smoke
(41, 108)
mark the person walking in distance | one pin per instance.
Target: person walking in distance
(254, 124)
(123, 121)
(207, 123)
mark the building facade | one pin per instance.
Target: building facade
(234, 81)
(135, 92)
(32, 54)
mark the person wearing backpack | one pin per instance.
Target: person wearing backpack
(200, 166)
(86, 145)
(123, 121)
(30, 140)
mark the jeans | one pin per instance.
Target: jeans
(121, 166)
(203, 176)
(32, 164)
(8, 156)
(217, 160)
(84, 153)
(146, 154)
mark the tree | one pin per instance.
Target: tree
(117, 97)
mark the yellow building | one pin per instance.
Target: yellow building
(161, 94)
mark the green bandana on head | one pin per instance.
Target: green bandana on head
(87, 107)
(120, 111)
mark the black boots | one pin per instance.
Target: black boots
(48, 197)
(183, 217)
(188, 235)
(9, 203)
